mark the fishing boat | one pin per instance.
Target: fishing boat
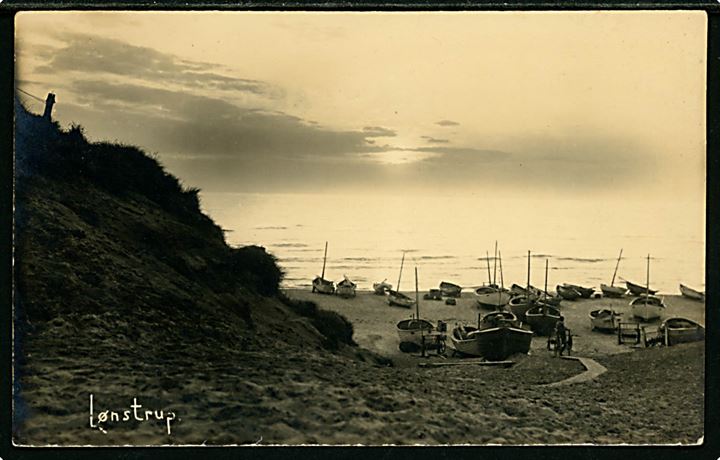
(493, 296)
(542, 319)
(346, 288)
(450, 289)
(415, 332)
(585, 293)
(568, 293)
(647, 307)
(604, 320)
(396, 298)
(498, 336)
(636, 289)
(320, 284)
(382, 287)
(612, 290)
(519, 304)
(681, 330)
(691, 293)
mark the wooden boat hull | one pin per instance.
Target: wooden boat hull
(585, 293)
(519, 305)
(413, 331)
(647, 309)
(636, 289)
(691, 293)
(613, 291)
(345, 291)
(462, 344)
(542, 319)
(499, 343)
(450, 289)
(604, 320)
(568, 293)
(682, 330)
(323, 286)
(400, 300)
(492, 297)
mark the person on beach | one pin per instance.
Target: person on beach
(560, 336)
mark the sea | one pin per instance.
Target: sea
(453, 238)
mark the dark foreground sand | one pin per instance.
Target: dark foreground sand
(296, 396)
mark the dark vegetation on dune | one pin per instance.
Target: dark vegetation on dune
(112, 250)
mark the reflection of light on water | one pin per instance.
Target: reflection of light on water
(398, 157)
(449, 240)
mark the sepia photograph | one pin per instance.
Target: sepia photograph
(359, 228)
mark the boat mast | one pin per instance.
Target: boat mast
(324, 260)
(612, 283)
(647, 280)
(502, 282)
(400, 275)
(495, 264)
(546, 273)
(528, 280)
(487, 257)
(417, 297)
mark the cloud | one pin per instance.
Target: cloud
(378, 131)
(433, 140)
(447, 123)
(91, 54)
(183, 123)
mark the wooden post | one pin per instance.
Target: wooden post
(49, 102)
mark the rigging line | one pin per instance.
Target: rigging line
(31, 95)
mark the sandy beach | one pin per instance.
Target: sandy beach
(375, 321)
(277, 393)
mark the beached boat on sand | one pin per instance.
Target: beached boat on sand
(647, 308)
(416, 332)
(320, 284)
(585, 293)
(542, 319)
(382, 287)
(612, 290)
(413, 330)
(346, 288)
(681, 330)
(450, 289)
(396, 298)
(568, 293)
(604, 320)
(498, 336)
(491, 295)
(636, 289)
(691, 293)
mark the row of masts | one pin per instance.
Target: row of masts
(498, 257)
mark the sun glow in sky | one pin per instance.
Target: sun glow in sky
(611, 102)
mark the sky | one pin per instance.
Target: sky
(584, 105)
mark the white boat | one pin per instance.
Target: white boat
(346, 288)
(681, 330)
(647, 308)
(416, 332)
(320, 284)
(604, 320)
(491, 295)
(691, 293)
